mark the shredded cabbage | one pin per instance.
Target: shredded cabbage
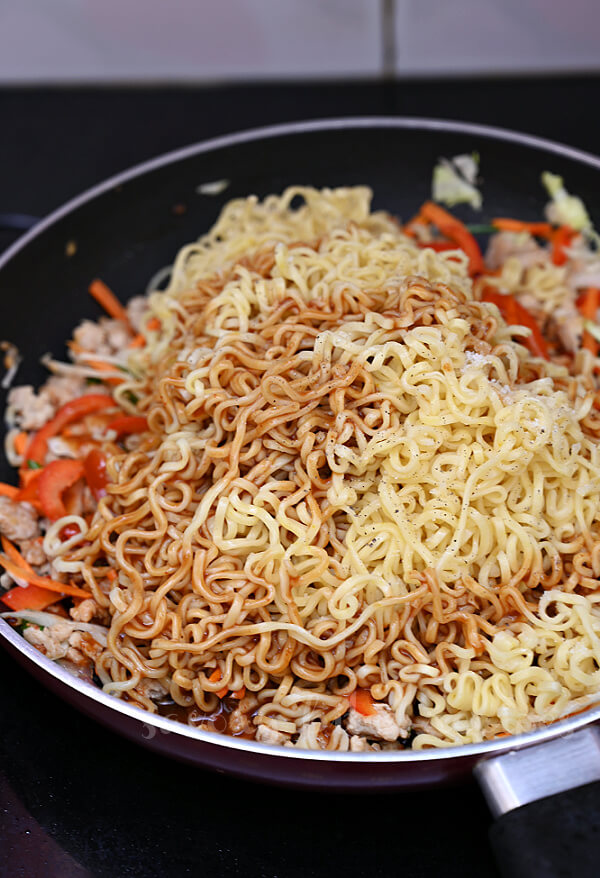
(564, 209)
(454, 181)
(592, 328)
(46, 620)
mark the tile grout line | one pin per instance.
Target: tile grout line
(388, 39)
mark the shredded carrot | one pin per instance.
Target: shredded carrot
(588, 304)
(362, 701)
(30, 597)
(138, 341)
(44, 581)
(561, 238)
(214, 678)
(239, 694)
(516, 314)
(107, 300)
(101, 366)
(111, 575)
(29, 487)
(456, 231)
(540, 230)
(20, 442)
(8, 491)
(153, 323)
(14, 554)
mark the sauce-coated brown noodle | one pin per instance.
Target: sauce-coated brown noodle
(352, 477)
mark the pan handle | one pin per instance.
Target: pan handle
(546, 801)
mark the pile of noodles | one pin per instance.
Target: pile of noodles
(352, 477)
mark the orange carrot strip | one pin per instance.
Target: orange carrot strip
(452, 228)
(44, 581)
(138, 341)
(561, 238)
(101, 366)
(153, 323)
(214, 678)
(516, 314)
(20, 442)
(14, 554)
(107, 300)
(8, 491)
(505, 224)
(362, 701)
(587, 305)
(239, 694)
(28, 491)
(28, 597)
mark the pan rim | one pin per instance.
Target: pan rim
(465, 751)
(271, 131)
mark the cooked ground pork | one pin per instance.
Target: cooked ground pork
(106, 338)
(569, 326)
(27, 409)
(53, 641)
(152, 689)
(61, 389)
(85, 611)
(270, 736)
(18, 521)
(359, 744)
(31, 410)
(382, 724)
(85, 644)
(517, 245)
(33, 552)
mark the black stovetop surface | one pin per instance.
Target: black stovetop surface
(77, 800)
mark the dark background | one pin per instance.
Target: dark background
(76, 800)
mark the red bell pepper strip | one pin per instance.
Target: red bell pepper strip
(54, 480)
(516, 315)
(71, 411)
(456, 231)
(30, 597)
(94, 467)
(439, 246)
(127, 424)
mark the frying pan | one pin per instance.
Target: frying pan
(544, 786)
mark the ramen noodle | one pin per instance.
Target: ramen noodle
(335, 496)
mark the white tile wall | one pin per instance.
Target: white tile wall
(479, 36)
(208, 40)
(187, 39)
